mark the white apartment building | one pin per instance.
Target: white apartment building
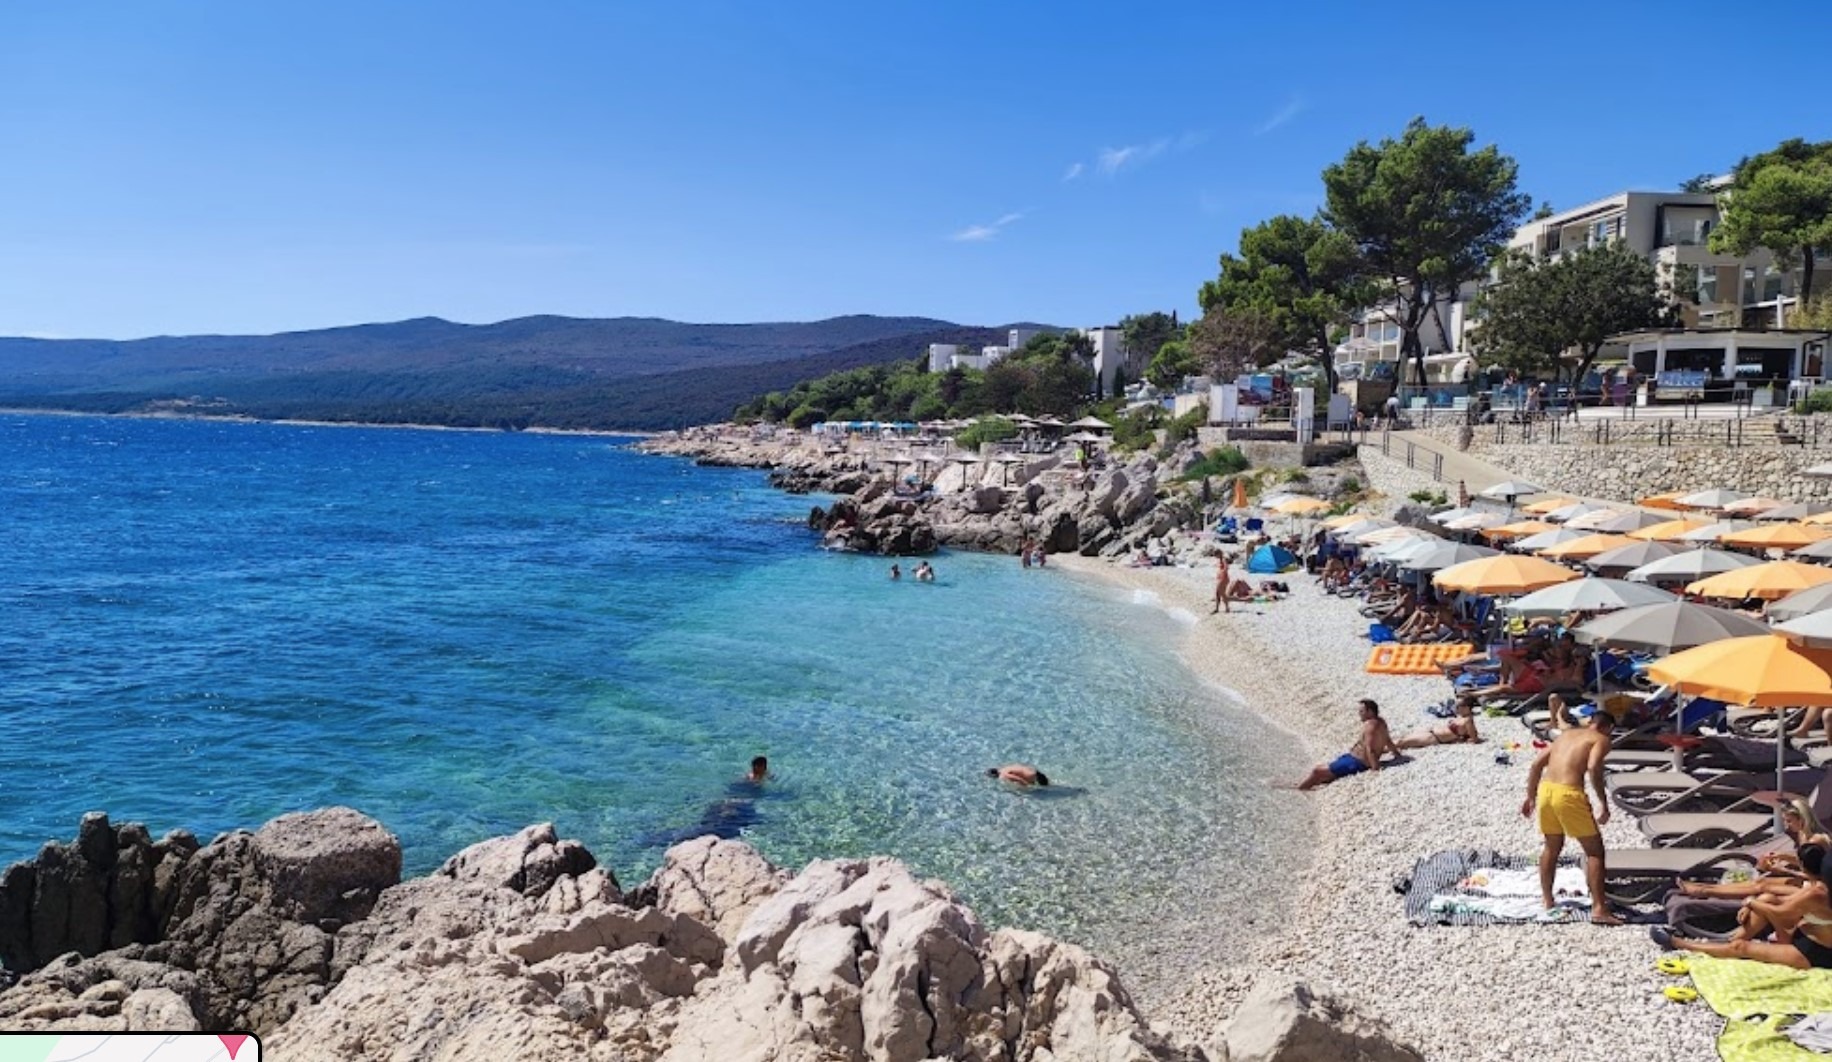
(941, 356)
(1718, 293)
(1017, 337)
(1110, 356)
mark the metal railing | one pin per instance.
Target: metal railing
(1737, 431)
(1416, 457)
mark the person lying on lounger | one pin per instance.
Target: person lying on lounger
(1801, 924)
(1375, 742)
(1459, 730)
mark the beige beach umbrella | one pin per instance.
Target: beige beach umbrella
(1670, 530)
(1545, 540)
(1690, 565)
(1572, 512)
(1519, 529)
(1476, 522)
(1776, 536)
(1618, 523)
(1587, 546)
(1797, 511)
(1752, 506)
(1771, 581)
(1716, 498)
(1802, 603)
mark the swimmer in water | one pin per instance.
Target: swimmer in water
(760, 770)
(1019, 774)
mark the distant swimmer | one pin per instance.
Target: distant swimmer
(924, 573)
(896, 573)
(760, 770)
(1021, 774)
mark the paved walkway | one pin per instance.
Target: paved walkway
(1475, 473)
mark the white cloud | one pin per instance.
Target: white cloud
(1293, 107)
(1110, 161)
(1074, 171)
(982, 233)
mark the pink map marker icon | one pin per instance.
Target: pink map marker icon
(232, 1042)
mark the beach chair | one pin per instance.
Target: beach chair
(1731, 829)
(1658, 792)
(1718, 752)
(1646, 875)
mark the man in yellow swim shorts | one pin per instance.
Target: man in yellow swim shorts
(1556, 786)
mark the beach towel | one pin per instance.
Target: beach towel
(1741, 988)
(1763, 1040)
(1487, 888)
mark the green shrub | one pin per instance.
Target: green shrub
(1819, 402)
(1184, 427)
(1138, 429)
(989, 429)
(1226, 461)
(1350, 485)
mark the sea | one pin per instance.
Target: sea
(204, 624)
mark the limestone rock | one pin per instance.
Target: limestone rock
(529, 861)
(1284, 1021)
(716, 882)
(326, 865)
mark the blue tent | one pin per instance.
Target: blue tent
(1269, 559)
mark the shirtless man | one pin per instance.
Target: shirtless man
(1375, 741)
(1222, 582)
(1555, 785)
(1018, 774)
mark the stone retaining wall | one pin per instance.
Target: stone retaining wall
(1391, 477)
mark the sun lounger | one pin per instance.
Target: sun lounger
(1723, 830)
(1719, 752)
(1645, 875)
(1655, 792)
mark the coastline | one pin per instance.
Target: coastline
(29, 411)
(1556, 991)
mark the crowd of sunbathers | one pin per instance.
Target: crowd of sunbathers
(1706, 803)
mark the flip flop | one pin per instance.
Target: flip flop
(1680, 994)
(1673, 966)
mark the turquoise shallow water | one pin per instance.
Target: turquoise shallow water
(207, 624)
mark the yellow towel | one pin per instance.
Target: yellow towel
(1739, 988)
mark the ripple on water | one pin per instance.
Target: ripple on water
(462, 633)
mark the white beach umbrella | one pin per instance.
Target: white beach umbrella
(1388, 534)
(1690, 565)
(1445, 555)
(1615, 523)
(1277, 498)
(1801, 603)
(1571, 512)
(1476, 522)
(1347, 532)
(1713, 532)
(1508, 490)
(1716, 498)
(1588, 595)
(1626, 558)
(1813, 629)
(1399, 549)
(1797, 511)
(1668, 627)
(1448, 515)
(1821, 550)
(1752, 506)
(1092, 424)
(1544, 540)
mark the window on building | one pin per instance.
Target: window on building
(1707, 284)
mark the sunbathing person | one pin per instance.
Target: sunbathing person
(1375, 742)
(1801, 923)
(1780, 873)
(1460, 729)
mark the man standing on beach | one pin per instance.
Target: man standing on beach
(1555, 786)
(1221, 584)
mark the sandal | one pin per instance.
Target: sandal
(1680, 994)
(1673, 966)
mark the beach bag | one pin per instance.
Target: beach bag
(1380, 632)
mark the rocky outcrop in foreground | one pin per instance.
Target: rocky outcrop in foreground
(522, 948)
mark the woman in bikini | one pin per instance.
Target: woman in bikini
(1801, 923)
(1459, 730)
(1780, 872)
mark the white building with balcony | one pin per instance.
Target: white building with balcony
(1111, 358)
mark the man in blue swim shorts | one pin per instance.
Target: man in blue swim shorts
(1376, 741)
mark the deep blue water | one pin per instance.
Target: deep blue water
(207, 624)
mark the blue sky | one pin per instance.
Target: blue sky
(255, 167)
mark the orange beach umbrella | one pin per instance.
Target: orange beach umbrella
(1771, 581)
(1669, 531)
(1541, 508)
(1669, 500)
(1588, 546)
(1504, 574)
(1762, 671)
(1519, 529)
(1776, 536)
(1300, 506)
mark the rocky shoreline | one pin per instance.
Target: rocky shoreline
(522, 947)
(989, 505)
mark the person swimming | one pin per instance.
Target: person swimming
(1019, 774)
(760, 770)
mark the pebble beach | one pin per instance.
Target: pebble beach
(1569, 991)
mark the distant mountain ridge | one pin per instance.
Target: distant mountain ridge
(543, 371)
